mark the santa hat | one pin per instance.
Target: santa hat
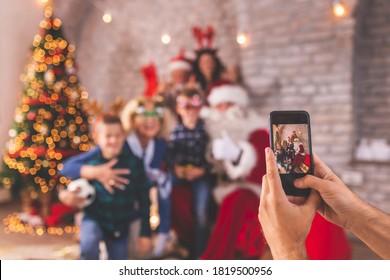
(228, 92)
(180, 61)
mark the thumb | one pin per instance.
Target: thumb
(112, 162)
(310, 181)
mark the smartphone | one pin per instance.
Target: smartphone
(291, 142)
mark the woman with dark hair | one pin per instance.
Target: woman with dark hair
(207, 68)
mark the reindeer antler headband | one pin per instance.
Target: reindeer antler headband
(204, 36)
(95, 109)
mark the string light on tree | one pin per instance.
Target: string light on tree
(339, 8)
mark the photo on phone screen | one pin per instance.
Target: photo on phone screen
(291, 147)
(291, 143)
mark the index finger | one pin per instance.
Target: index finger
(108, 188)
(272, 173)
(121, 171)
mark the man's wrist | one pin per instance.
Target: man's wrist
(290, 253)
(360, 212)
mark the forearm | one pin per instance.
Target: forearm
(63, 196)
(89, 172)
(72, 169)
(372, 226)
(73, 165)
(69, 198)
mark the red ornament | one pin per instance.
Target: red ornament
(31, 116)
(58, 71)
(59, 51)
(42, 32)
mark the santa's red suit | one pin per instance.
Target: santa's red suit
(238, 139)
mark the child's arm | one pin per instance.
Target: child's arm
(77, 167)
(73, 165)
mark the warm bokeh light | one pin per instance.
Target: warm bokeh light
(107, 18)
(165, 38)
(13, 224)
(154, 221)
(339, 8)
(242, 39)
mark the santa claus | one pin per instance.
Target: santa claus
(236, 150)
(230, 124)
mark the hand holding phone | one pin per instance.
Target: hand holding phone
(291, 142)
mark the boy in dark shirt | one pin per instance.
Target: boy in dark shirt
(187, 162)
(107, 218)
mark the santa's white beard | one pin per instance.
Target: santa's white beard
(236, 121)
(233, 113)
(239, 124)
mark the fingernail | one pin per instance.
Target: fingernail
(267, 150)
(297, 182)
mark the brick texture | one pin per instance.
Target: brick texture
(372, 92)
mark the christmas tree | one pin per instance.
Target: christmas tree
(50, 123)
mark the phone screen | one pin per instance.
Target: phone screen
(291, 147)
(291, 143)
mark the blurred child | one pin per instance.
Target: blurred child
(187, 163)
(107, 218)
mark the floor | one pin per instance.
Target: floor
(16, 246)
